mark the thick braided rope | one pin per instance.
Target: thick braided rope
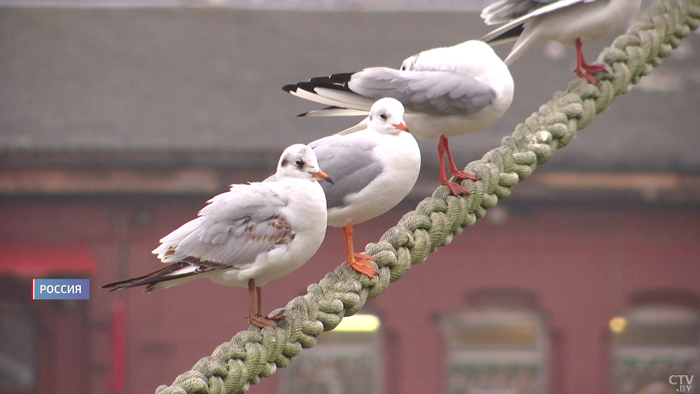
(254, 354)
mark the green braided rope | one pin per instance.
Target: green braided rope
(254, 354)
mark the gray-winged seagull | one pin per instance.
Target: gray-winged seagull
(248, 236)
(570, 22)
(446, 92)
(373, 170)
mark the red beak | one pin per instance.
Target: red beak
(402, 126)
(322, 176)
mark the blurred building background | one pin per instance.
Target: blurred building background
(119, 119)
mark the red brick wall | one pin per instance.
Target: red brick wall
(584, 263)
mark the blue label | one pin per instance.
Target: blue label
(60, 289)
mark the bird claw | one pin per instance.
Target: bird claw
(461, 175)
(596, 68)
(277, 316)
(455, 188)
(262, 322)
(588, 71)
(590, 78)
(360, 264)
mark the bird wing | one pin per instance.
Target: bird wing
(334, 111)
(350, 162)
(509, 12)
(427, 92)
(232, 230)
(505, 11)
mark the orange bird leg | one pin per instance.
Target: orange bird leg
(279, 316)
(256, 319)
(585, 70)
(358, 261)
(456, 189)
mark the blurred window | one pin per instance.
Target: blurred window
(498, 345)
(346, 360)
(17, 348)
(652, 342)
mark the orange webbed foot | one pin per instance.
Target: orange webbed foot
(589, 77)
(360, 263)
(595, 69)
(461, 175)
(455, 188)
(277, 316)
(262, 322)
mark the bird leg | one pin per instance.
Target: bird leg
(277, 317)
(357, 261)
(456, 189)
(585, 70)
(256, 318)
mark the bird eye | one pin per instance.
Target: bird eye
(300, 163)
(382, 116)
(403, 68)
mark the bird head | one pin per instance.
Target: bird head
(299, 161)
(386, 116)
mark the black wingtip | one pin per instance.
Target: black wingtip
(339, 78)
(112, 287)
(292, 88)
(150, 279)
(334, 81)
(115, 286)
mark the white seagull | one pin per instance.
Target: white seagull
(569, 22)
(446, 92)
(248, 236)
(372, 169)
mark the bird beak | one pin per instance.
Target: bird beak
(322, 176)
(402, 126)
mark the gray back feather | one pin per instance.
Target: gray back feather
(429, 92)
(351, 164)
(233, 228)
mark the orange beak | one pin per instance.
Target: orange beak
(402, 126)
(322, 176)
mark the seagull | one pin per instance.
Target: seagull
(248, 236)
(373, 170)
(446, 92)
(569, 22)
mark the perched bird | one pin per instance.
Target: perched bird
(569, 22)
(446, 92)
(372, 169)
(248, 236)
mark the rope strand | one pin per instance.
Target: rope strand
(253, 354)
